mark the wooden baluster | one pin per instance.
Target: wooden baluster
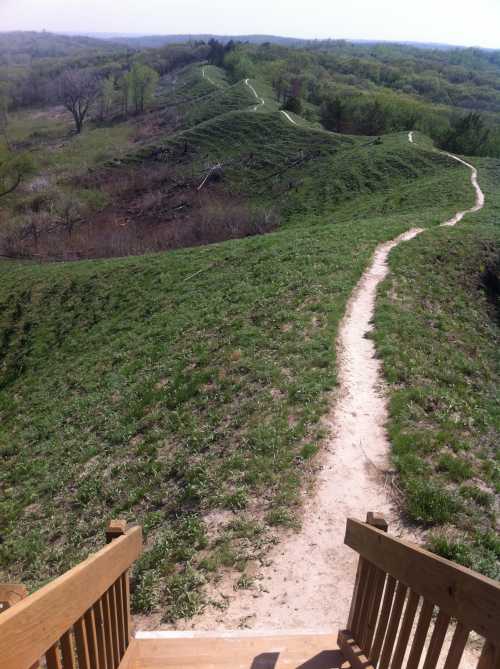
(437, 639)
(114, 626)
(117, 587)
(100, 635)
(420, 635)
(52, 658)
(68, 658)
(91, 639)
(377, 586)
(490, 657)
(392, 628)
(361, 589)
(126, 607)
(373, 608)
(362, 621)
(118, 598)
(108, 633)
(405, 631)
(82, 650)
(390, 586)
(457, 647)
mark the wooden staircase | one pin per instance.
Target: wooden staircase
(409, 609)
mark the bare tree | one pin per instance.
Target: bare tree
(77, 91)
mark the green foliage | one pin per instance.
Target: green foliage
(142, 81)
(481, 552)
(293, 104)
(468, 135)
(428, 502)
(107, 96)
(217, 52)
(456, 468)
(238, 65)
(13, 170)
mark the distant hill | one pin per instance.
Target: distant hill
(17, 45)
(154, 41)
(46, 44)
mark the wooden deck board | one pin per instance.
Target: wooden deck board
(238, 651)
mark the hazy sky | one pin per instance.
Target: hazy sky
(450, 21)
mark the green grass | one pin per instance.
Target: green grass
(217, 102)
(216, 74)
(437, 331)
(175, 388)
(39, 126)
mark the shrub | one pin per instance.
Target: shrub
(63, 234)
(428, 502)
(481, 497)
(293, 104)
(456, 468)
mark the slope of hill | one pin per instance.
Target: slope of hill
(184, 391)
(437, 331)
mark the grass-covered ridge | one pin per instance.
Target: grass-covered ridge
(184, 390)
(437, 330)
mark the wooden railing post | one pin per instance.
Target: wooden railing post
(378, 521)
(115, 529)
(120, 592)
(11, 594)
(356, 640)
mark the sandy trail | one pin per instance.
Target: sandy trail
(311, 573)
(287, 115)
(309, 577)
(205, 76)
(262, 102)
(479, 194)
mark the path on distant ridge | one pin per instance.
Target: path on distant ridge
(309, 578)
(205, 76)
(287, 115)
(262, 102)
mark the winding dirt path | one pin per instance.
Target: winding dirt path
(287, 115)
(479, 194)
(205, 76)
(262, 102)
(308, 580)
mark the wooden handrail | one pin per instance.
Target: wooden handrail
(473, 599)
(33, 626)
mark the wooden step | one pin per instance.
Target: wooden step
(234, 650)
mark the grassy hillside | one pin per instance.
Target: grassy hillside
(184, 390)
(437, 330)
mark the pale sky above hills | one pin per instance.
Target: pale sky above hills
(449, 21)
